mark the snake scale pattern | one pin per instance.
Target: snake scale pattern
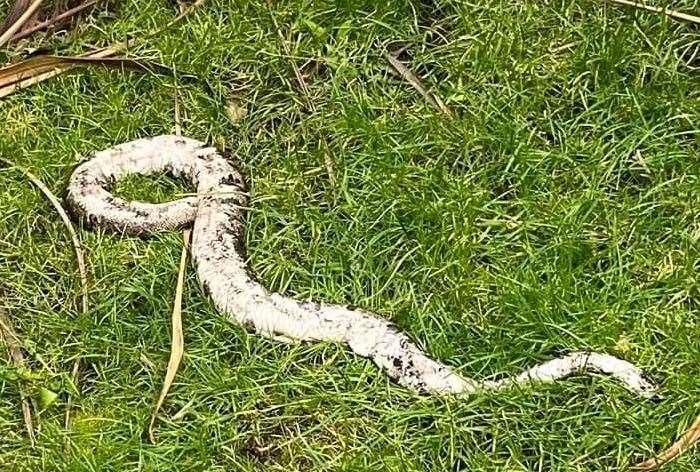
(219, 256)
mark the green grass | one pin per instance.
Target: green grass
(522, 226)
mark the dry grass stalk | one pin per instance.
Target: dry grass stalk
(672, 13)
(177, 343)
(79, 256)
(10, 339)
(99, 54)
(690, 437)
(51, 22)
(37, 77)
(77, 246)
(14, 27)
(178, 340)
(412, 79)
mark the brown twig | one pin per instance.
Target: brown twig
(672, 13)
(14, 13)
(691, 436)
(53, 21)
(10, 339)
(14, 27)
(183, 13)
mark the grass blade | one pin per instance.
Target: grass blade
(306, 95)
(69, 402)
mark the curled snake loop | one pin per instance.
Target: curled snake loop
(218, 254)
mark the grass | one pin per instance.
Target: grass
(556, 208)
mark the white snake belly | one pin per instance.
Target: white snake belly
(219, 256)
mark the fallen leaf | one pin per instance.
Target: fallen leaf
(35, 66)
(47, 397)
(235, 112)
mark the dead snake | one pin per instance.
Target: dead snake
(219, 256)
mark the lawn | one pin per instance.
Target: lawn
(555, 207)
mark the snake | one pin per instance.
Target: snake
(217, 215)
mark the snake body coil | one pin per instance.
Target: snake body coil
(218, 253)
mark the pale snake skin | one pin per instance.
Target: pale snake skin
(219, 256)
